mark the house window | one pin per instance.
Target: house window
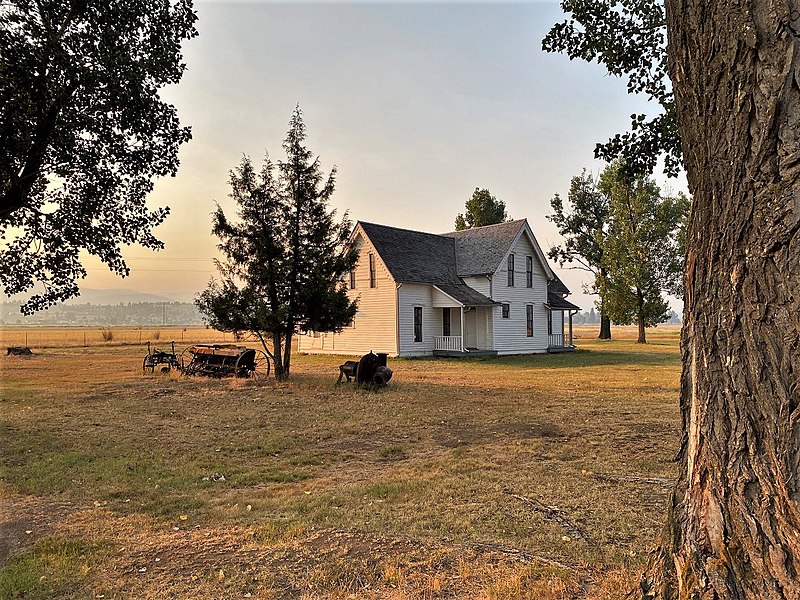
(549, 322)
(510, 270)
(529, 320)
(446, 321)
(353, 279)
(372, 282)
(506, 310)
(417, 323)
(529, 271)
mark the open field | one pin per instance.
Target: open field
(524, 477)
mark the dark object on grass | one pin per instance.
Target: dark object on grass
(165, 361)
(348, 369)
(371, 371)
(19, 351)
(226, 360)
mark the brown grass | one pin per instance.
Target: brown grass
(328, 491)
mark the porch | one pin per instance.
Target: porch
(466, 323)
(559, 324)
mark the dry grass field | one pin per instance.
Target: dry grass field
(539, 477)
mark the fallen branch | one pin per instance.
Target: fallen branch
(521, 555)
(662, 481)
(551, 513)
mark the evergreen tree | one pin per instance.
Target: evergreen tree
(285, 257)
(584, 227)
(481, 209)
(642, 253)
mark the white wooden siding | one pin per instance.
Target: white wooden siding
(480, 283)
(510, 335)
(376, 320)
(409, 296)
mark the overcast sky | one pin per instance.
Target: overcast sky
(416, 104)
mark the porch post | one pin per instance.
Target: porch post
(570, 327)
(462, 328)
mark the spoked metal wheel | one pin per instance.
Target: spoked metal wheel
(253, 366)
(148, 365)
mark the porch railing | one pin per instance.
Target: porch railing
(453, 343)
(556, 340)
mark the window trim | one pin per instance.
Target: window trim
(529, 320)
(417, 322)
(529, 271)
(373, 283)
(353, 278)
(510, 269)
(505, 310)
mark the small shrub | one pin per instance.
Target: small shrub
(108, 334)
(157, 335)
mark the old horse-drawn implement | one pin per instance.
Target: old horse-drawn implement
(225, 360)
(165, 361)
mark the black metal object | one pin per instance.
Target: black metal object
(226, 360)
(165, 361)
(371, 371)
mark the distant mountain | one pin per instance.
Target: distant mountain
(91, 296)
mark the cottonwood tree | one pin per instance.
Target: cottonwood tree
(643, 253)
(83, 133)
(285, 255)
(733, 525)
(481, 209)
(627, 37)
(584, 225)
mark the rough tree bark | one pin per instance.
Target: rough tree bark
(734, 521)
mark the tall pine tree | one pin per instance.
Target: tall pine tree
(285, 256)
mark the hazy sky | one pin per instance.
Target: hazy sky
(416, 104)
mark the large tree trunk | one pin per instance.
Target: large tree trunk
(642, 339)
(734, 521)
(605, 328)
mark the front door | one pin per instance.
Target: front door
(471, 327)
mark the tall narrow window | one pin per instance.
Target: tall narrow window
(372, 281)
(353, 279)
(529, 271)
(549, 322)
(510, 270)
(506, 311)
(417, 323)
(529, 320)
(446, 321)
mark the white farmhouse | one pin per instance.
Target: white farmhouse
(487, 290)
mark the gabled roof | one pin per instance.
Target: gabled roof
(481, 249)
(414, 256)
(419, 257)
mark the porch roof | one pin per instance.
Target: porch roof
(465, 295)
(556, 302)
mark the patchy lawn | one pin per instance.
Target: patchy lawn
(521, 477)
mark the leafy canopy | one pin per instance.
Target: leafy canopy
(285, 254)
(643, 253)
(481, 209)
(83, 133)
(627, 37)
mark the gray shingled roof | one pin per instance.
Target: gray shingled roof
(418, 257)
(465, 294)
(480, 250)
(414, 256)
(557, 302)
(556, 286)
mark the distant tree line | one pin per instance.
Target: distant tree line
(130, 313)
